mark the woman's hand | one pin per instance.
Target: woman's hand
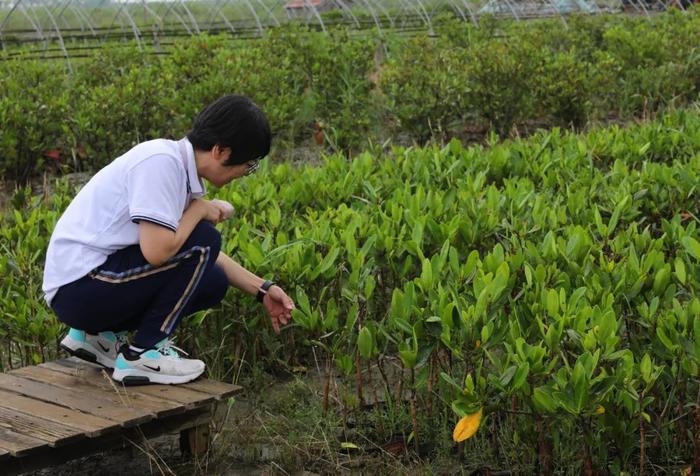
(208, 210)
(279, 306)
(225, 207)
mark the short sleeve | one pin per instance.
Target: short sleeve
(156, 191)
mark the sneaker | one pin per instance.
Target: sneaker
(160, 364)
(100, 349)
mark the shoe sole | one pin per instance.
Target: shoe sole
(85, 354)
(130, 377)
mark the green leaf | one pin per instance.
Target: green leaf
(368, 289)
(274, 215)
(408, 357)
(542, 397)
(403, 325)
(612, 224)
(573, 246)
(602, 229)
(482, 302)
(692, 246)
(528, 274)
(661, 280)
(564, 400)
(508, 375)
(485, 333)
(254, 254)
(351, 316)
(665, 340)
(326, 264)
(426, 276)
(452, 382)
(398, 310)
(345, 363)
(408, 351)
(645, 368)
(301, 318)
(549, 246)
(580, 385)
(417, 233)
(364, 343)
(303, 301)
(679, 267)
(552, 303)
(520, 376)
(464, 408)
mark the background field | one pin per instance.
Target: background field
(501, 218)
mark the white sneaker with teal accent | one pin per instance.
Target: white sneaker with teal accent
(101, 348)
(161, 364)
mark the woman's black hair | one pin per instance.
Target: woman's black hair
(232, 121)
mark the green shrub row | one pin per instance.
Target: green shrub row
(543, 73)
(551, 283)
(350, 90)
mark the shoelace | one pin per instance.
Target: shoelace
(122, 339)
(168, 348)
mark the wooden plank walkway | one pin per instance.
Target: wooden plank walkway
(57, 411)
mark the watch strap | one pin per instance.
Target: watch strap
(262, 290)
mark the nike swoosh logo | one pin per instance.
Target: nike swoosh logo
(105, 349)
(155, 369)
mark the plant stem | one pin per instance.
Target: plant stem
(358, 377)
(587, 460)
(326, 386)
(696, 434)
(414, 418)
(544, 448)
(657, 438)
(642, 449)
(399, 392)
(429, 402)
(372, 387)
(387, 387)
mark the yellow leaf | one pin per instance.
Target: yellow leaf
(467, 426)
(600, 410)
(478, 344)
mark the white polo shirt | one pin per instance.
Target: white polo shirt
(154, 181)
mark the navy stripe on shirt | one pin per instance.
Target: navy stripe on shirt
(138, 218)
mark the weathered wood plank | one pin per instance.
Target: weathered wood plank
(174, 393)
(220, 390)
(91, 425)
(45, 457)
(76, 363)
(112, 409)
(18, 444)
(53, 433)
(93, 381)
(189, 398)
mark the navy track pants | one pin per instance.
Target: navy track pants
(126, 293)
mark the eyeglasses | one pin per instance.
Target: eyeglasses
(252, 166)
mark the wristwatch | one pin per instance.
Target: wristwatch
(263, 290)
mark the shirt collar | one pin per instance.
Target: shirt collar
(195, 183)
